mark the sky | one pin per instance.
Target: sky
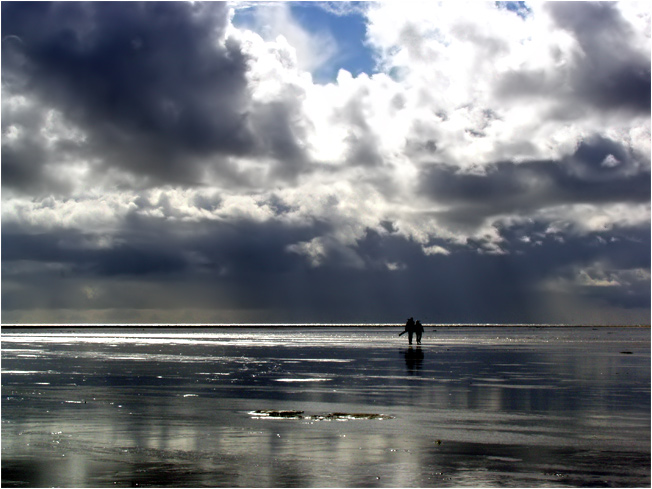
(189, 162)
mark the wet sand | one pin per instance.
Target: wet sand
(326, 407)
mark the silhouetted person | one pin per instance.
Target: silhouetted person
(418, 329)
(409, 329)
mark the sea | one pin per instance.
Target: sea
(325, 406)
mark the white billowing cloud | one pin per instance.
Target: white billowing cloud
(435, 250)
(599, 275)
(102, 212)
(638, 15)
(585, 218)
(471, 66)
(310, 50)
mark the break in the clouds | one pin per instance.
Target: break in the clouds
(326, 162)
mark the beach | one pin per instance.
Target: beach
(326, 407)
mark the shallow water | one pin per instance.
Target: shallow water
(484, 406)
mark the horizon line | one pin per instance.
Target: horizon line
(272, 325)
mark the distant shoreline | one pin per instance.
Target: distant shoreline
(309, 325)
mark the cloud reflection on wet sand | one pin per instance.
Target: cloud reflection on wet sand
(489, 407)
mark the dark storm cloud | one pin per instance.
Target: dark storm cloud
(472, 287)
(144, 68)
(148, 81)
(278, 129)
(463, 286)
(72, 250)
(363, 147)
(632, 292)
(247, 265)
(615, 256)
(25, 157)
(150, 246)
(153, 85)
(251, 263)
(601, 171)
(608, 73)
(241, 264)
(621, 248)
(23, 165)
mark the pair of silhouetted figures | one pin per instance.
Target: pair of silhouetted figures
(413, 328)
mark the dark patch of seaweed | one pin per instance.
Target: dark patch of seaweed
(270, 413)
(292, 414)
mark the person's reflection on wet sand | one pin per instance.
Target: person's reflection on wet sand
(413, 359)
